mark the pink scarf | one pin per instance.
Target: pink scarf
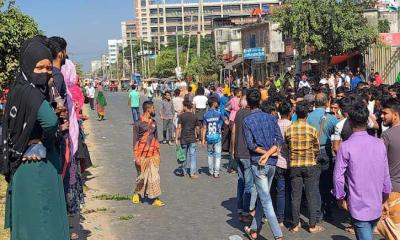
(69, 73)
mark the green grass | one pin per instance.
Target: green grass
(113, 197)
(126, 217)
(97, 210)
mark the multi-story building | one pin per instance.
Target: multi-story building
(128, 30)
(113, 50)
(96, 66)
(160, 20)
(227, 39)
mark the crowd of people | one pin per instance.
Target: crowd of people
(44, 155)
(334, 139)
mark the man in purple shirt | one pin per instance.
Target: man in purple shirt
(362, 162)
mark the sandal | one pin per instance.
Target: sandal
(350, 229)
(295, 229)
(74, 236)
(317, 229)
(249, 232)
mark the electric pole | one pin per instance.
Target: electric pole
(177, 47)
(130, 38)
(198, 28)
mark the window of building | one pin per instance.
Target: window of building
(212, 9)
(177, 11)
(174, 19)
(154, 11)
(171, 29)
(231, 8)
(253, 41)
(190, 9)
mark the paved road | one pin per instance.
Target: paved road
(199, 209)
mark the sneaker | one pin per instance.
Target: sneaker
(163, 142)
(135, 198)
(171, 143)
(158, 203)
(194, 176)
(216, 175)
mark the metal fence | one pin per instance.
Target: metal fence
(385, 60)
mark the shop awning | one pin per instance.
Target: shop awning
(342, 58)
(339, 59)
(234, 63)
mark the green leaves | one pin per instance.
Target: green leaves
(203, 67)
(15, 28)
(330, 27)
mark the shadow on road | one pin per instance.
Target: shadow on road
(339, 237)
(230, 205)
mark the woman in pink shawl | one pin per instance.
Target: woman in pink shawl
(73, 184)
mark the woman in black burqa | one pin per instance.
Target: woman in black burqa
(35, 205)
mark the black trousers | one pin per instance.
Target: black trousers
(309, 178)
(91, 102)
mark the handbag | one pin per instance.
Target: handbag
(180, 154)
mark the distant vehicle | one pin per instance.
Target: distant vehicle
(125, 84)
(113, 87)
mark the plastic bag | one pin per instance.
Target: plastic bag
(180, 154)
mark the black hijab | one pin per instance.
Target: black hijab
(27, 93)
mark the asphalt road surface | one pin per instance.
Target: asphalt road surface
(204, 208)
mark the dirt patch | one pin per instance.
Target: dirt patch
(4, 233)
(96, 217)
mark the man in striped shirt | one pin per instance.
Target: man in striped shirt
(303, 142)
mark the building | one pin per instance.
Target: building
(128, 31)
(160, 20)
(227, 39)
(113, 50)
(261, 44)
(96, 66)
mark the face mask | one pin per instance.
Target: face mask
(40, 79)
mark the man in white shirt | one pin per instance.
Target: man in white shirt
(91, 94)
(154, 85)
(303, 82)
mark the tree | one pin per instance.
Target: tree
(166, 63)
(15, 28)
(330, 27)
(383, 26)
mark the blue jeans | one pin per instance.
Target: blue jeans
(190, 148)
(263, 177)
(135, 114)
(246, 191)
(283, 211)
(364, 229)
(214, 157)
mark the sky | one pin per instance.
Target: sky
(85, 24)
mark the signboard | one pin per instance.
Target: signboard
(272, 57)
(392, 39)
(254, 53)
